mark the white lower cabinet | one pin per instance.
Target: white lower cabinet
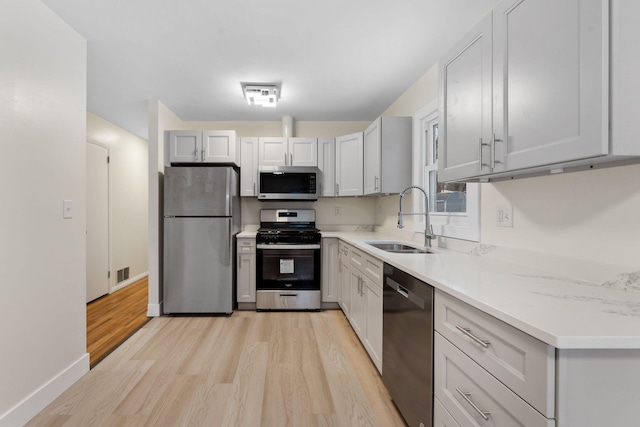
(488, 373)
(330, 277)
(441, 417)
(246, 270)
(473, 396)
(361, 275)
(344, 293)
(523, 363)
(373, 329)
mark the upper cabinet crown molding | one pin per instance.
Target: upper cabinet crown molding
(196, 146)
(527, 90)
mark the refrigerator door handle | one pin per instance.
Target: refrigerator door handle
(227, 253)
(229, 192)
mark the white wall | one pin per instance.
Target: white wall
(421, 92)
(128, 197)
(42, 256)
(160, 119)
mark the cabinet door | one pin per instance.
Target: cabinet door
(272, 151)
(345, 287)
(465, 106)
(246, 279)
(441, 417)
(550, 81)
(349, 152)
(327, 166)
(329, 269)
(248, 166)
(358, 313)
(185, 146)
(303, 151)
(219, 146)
(373, 333)
(372, 157)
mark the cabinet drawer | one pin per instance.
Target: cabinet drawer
(521, 362)
(373, 269)
(356, 258)
(474, 397)
(246, 246)
(441, 417)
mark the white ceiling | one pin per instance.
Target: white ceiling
(336, 59)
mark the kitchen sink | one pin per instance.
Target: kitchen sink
(400, 248)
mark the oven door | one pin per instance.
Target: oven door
(288, 267)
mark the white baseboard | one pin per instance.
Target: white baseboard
(20, 414)
(153, 310)
(128, 282)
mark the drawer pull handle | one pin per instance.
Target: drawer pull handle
(465, 396)
(468, 333)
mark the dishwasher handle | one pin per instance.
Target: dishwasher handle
(403, 291)
(411, 296)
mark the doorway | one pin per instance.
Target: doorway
(98, 274)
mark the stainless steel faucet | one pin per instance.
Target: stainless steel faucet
(428, 229)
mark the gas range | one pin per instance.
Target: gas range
(288, 249)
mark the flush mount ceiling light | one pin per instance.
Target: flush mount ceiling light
(263, 94)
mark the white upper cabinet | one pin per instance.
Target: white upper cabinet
(195, 146)
(288, 151)
(349, 165)
(550, 86)
(303, 151)
(387, 155)
(185, 146)
(526, 89)
(248, 166)
(272, 151)
(327, 166)
(465, 106)
(219, 146)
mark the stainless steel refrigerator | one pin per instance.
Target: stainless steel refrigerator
(201, 219)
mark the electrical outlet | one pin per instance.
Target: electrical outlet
(504, 217)
(337, 211)
(67, 209)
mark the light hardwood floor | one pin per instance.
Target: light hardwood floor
(250, 369)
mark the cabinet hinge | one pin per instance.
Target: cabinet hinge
(109, 274)
(108, 159)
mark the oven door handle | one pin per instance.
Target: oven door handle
(278, 246)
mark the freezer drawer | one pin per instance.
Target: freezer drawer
(198, 265)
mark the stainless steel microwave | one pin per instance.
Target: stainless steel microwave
(288, 183)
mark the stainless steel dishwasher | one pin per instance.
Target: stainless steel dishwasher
(407, 345)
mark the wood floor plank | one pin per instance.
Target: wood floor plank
(249, 369)
(113, 318)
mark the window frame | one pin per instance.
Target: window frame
(458, 225)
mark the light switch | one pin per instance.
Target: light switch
(67, 209)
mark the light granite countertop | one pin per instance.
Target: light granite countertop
(557, 309)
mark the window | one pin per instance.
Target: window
(454, 207)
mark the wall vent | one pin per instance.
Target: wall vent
(123, 274)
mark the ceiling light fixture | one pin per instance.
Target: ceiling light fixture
(263, 94)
